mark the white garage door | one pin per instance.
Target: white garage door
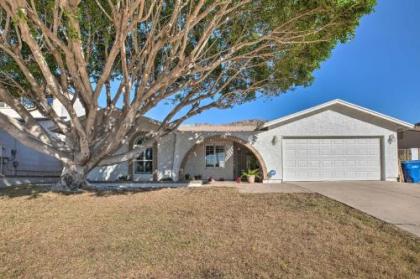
(323, 159)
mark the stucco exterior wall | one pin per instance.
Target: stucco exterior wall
(166, 157)
(109, 173)
(112, 172)
(326, 123)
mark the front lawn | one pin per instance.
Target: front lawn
(200, 233)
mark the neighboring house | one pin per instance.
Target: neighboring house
(18, 160)
(409, 144)
(333, 141)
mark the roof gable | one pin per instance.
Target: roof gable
(345, 108)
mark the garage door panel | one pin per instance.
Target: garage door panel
(331, 159)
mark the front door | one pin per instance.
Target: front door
(244, 160)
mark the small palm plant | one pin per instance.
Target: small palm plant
(251, 174)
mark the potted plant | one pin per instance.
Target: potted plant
(251, 174)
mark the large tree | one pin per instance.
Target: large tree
(134, 54)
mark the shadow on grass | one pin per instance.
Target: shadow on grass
(124, 191)
(30, 191)
(36, 191)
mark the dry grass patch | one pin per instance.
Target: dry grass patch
(199, 233)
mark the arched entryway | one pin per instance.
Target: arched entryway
(221, 157)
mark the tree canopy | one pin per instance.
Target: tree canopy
(194, 54)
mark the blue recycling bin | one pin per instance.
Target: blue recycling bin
(411, 170)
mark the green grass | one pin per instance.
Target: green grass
(196, 233)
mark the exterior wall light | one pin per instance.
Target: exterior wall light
(274, 140)
(391, 139)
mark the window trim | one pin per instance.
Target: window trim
(217, 164)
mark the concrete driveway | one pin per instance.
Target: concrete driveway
(392, 202)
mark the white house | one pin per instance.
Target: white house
(333, 141)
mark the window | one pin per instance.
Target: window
(215, 156)
(50, 100)
(143, 164)
(27, 103)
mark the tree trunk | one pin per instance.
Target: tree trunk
(73, 178)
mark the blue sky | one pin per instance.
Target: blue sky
(378, 69)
